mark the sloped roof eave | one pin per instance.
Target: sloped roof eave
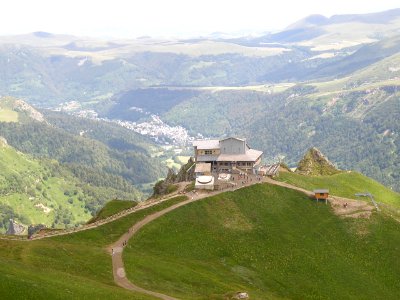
(206, 144)
(321, 191)
(254, 155)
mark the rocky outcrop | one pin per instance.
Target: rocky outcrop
(15, 228)
(186, 173)
(242, 295)
(314, 163)
(22, 106)
(166, 186)
(3, 142)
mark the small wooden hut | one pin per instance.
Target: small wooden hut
(321, 194)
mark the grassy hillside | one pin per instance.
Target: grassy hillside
(111, 208)
(15, 110)
(8, 115)
(42, 192)
(344, 184)
(20, 281)
(35, 195)
(269, 241)
(273, 243)
(76, 266)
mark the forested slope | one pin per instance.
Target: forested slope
(59, 170)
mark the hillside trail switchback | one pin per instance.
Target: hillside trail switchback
(116, 249)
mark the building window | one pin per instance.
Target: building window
(208, 152)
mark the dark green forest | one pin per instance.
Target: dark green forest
(92, 161)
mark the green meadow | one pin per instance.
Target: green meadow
(37, 194)
(8, 115)
(269, 241)
(111, 208)
(74, 266)
(345, 184)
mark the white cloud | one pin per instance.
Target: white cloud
(172, 17)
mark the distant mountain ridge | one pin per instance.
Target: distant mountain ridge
(383, 17)
(43, 34)
(47, 69)
(318, 27)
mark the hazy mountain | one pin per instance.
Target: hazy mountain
(384, 17)
(48, 69)
(337, 32)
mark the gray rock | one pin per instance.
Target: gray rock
(15, 228)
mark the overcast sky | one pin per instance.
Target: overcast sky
(132, 18)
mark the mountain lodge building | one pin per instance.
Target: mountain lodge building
(227, 155)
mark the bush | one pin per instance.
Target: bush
(172, 188)
(190, 187)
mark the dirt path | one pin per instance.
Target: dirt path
(341, 206)
(289, 186)
(355, 208)
(140, 206)
(117, 248)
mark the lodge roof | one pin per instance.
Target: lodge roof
(321, 191)
(233, 138)
(206, 144)
(251, 155)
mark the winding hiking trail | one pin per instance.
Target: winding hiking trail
(352, 209)
(116, 249)
(355, 208)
